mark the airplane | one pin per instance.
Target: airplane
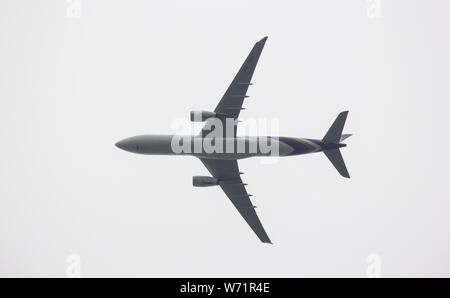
(219, 148)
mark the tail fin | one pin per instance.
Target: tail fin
(345, 136)
(335, 136)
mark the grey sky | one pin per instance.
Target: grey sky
(72, 87)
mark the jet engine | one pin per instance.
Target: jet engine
(201, 116)
(202, 181)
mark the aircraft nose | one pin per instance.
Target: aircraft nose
(130, 144)
(120, 145)
(125, 145)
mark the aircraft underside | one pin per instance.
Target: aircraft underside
(219, 155)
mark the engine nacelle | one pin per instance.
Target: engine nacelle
(202, 181)
(201, 116)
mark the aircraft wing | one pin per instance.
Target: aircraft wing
(227, 171)
(231, 103)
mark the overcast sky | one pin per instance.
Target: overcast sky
(75, 80)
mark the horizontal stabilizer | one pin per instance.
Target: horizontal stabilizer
(334, 136)
(336, 159)
(334, 133)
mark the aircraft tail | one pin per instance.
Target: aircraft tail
(335, 136)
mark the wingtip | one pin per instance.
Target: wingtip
(267, 240)
(263, 40)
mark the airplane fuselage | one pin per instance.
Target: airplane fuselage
(223, 148)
